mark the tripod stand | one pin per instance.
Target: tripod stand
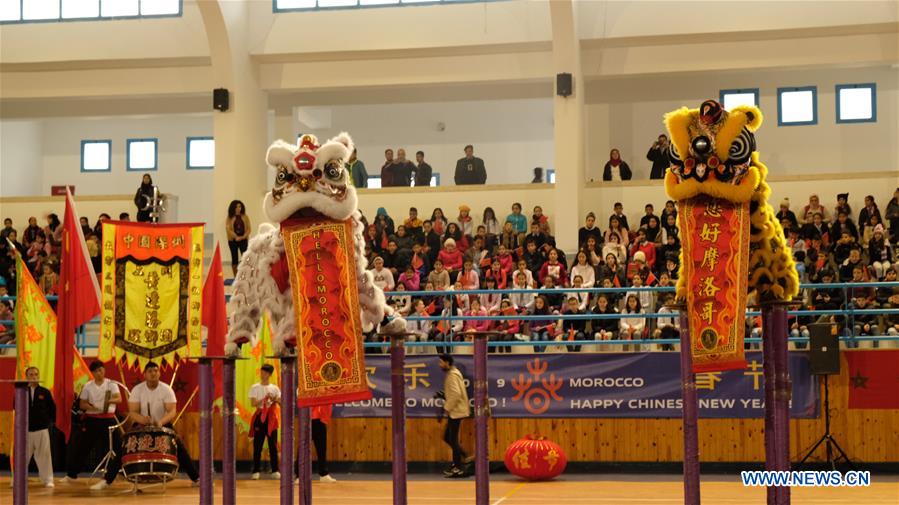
(827, 438)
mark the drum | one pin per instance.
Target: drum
(150, 454)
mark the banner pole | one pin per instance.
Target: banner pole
(229, 489)
(206, 388)
(398, 408)
(289, 405)
(690, 410)
(482, 458)
(769, 369)
(20, 476)
(304, 455)
(774, 315)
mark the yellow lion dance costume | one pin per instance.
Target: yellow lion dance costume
(713, 152)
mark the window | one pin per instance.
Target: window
(374, 182)
(96, 155)
(141, 154)
(19, 11)
(797, 106)
(856, 103)
(731, 98)
(200, 153)
(294, 5)
(551, 176)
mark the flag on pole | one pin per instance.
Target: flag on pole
(246, 372)
(215, 317)
(79, 302)
(35, 328)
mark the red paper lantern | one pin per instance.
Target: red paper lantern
(535, 458)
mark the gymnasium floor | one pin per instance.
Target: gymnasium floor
(425, 490)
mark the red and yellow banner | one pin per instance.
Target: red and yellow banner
(322, 264)
(151, 290)
(716, 269)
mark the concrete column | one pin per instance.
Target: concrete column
(285, 124)
(241, 133)
(568, 128)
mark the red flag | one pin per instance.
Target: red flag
(79, 302)
(215, 317)
(873, 379)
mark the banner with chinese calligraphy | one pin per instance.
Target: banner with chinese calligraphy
(321, 259)
(715, 236)
(151, 292)
(572, 385)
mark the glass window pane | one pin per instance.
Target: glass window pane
(378, 2)
(855, 103)
(434, 181)
(159, 7)
(797, 106)
(418, 1)
(732, 100)
(141, 154)
(337, 3)
(80, 9)
(115, 8)
(374, 182)
(296, 4)
(201, 153)
(96, 156)
(10, 10)
(40, 9)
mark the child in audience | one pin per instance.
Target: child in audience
(521, 301)
(584, 270)
(553, 268)
(573, 329)
(542, 330)
(604, 329)
(439, 278)
(631, 328)
(410, 279)
(383, 278)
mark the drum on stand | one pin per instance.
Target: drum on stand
(150, 455)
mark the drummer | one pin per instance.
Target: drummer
(153, 403)
(98, 400)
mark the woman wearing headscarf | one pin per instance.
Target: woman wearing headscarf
(616, 169)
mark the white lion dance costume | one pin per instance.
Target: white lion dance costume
(311, 182)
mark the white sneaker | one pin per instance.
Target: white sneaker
(255, 476)
(100, 486)
(68, 480)
(327, 478)
(276, 475)
(49, 484)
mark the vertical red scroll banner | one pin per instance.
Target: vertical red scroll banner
(716, 268)
(321, 259)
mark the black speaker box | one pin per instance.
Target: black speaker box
(824, 355)
(221, 99)
(563, 84)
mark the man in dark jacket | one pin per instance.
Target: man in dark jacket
(423, 171)
(470, 170)
(41, 414)
(658, 155)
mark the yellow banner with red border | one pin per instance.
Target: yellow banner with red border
(716, 269)
(321, 259)
(151, 288)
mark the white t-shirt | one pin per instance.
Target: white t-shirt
(259, 392)
(96, 395)
(152, 401)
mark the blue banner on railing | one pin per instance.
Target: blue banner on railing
(587, 385)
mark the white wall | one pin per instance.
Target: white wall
(62, 159)
(20, 155)
(627, 114)
(512, 136)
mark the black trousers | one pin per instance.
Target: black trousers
(451, 437)
(185, 464)
(237, 247)
(260, 435)
(93, 433)
(320, 440)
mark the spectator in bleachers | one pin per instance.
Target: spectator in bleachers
(616, 227)
(510, 328)
(98, 227)
(654, 231)
(490, 302)
(509, 238)
(854, 260)
(432, 239)
(496, 274)
(818, 227)
(658, 155)
(613, 246)
(475, 309)
(843, 247)
(358, 173)
(540, 218)
(612, 271)
(401, 303)
(438, 221)
(470, 170)
(451, 258)
(553, 268)
(647, 298)
(454, 232)
(49, 280)
(387, 169)
(642, 244)
(843, 223)
(518, 220)
(468, 277)
(618, 212)
(555, 300)
(466, 222)
(124, 216)
(589, 230)
(593, 250)
(648, 213)
(505, 258)
(375, 239)
(786, 213)
(413, 224)
(616, 169)
(880, 252)
(439, 278)
(53, 232)
(410, 278)
(404, 239)
(85, 225)
(667, 328)
(814, 206)
(669, 210)
(584, 269)
(523, 269)
(7, 227)
(542, 330)
(573, 329)
(536, 236)
(892, 217)
(13, 237)
(604, 329)
(631, 328)
(868, 230)
(383, 278)
(423, 171)
(491, 224)
(865, 324)
(31, 232)
(842, 204)
(421, 328)
(384, 222)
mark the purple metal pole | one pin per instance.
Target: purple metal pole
(782, 395)
(769, 369)
(482, 458)
(288, 407)
(206, 393)
(398, 411)
(690, 412)
(304, 454)
(229, 464)
(20, 475)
